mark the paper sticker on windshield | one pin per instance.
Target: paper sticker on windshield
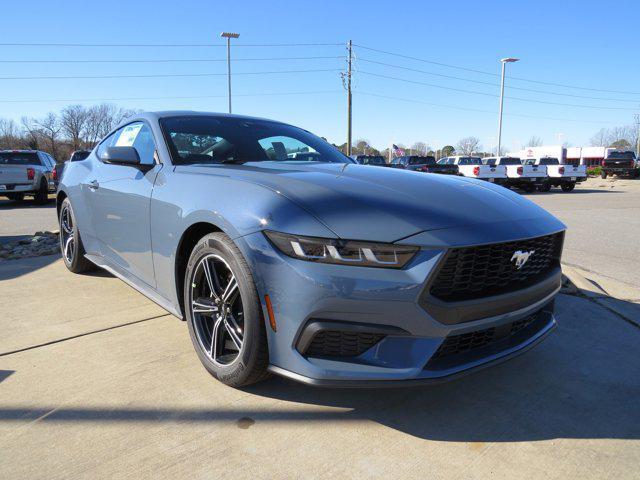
(128, 135)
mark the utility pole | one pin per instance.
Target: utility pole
(349, 106)
(637, 118)
(504, 61)
(229, 36)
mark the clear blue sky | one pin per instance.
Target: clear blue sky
(588, 44)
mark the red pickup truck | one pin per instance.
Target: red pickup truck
(619, 163)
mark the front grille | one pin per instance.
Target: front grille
(486, 270)
(335, 343)
(465, 342)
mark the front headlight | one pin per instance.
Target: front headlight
(342, 252)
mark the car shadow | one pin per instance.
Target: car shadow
(581, 383)
(6, 204)
(16, 268)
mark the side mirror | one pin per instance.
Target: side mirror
(121, 156)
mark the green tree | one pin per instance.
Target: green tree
(447, 150)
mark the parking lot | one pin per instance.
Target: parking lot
(96, 381)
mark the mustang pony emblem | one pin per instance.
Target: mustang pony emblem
(521, 258)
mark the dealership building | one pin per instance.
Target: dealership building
(589, 156)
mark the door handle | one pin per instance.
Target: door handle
(93, 185)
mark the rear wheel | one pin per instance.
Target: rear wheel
(70, 241)
(42, 195)
(528, 187)
(567, 187)
(545, 187)
(224, 313)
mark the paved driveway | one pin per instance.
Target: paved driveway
(19, 219)
(603, 220)
(108, 386)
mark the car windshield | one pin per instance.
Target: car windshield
(373, 160)
(211, 140)
(470, 161)
(510, 161)
(549, 161)
(623, 155)
(19, 158)
(422, 161)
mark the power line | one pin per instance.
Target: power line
(474, 92)
(454, 107)
(546, 92)
(179, 45)
(167, 75)
(189, 97)
(181, 60)
(457, 67)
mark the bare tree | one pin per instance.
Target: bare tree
(468, 145)
(49, 128)
(102, 119)
(420, 148)
(9, 134)
(534, 141)
(73, 120)
(600, 138)
(33, 136)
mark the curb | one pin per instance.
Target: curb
(608, 293)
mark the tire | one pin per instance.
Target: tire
(529, 187)
(568, 187)
(16, 197)
(603, 174)
(240, 356)
(72, 250)
(42, 194)
(545, 187)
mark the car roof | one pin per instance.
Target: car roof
(157, 115)
(18, 151)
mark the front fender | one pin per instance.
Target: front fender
(182, 199)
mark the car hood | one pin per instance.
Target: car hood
(361, 202)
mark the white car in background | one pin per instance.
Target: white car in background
(525, 177)
(564, 176)
(473, 167)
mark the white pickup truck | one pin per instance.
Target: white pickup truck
(473, 167)
(563, 176)
(525, 177)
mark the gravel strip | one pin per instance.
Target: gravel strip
(42, 243)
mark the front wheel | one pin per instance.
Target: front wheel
(567, 187)
(70, 241)
(224, 313)
(545, 187)
(528, 187)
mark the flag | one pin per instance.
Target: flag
(397, 151)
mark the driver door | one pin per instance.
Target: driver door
(121, 197)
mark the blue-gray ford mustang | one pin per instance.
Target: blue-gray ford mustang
(283, 256)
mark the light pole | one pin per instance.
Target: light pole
(229, 36)
(504, 61)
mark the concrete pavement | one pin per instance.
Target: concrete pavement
(603, 220)
(134, 402)
(19, 219)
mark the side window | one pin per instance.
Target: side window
(107, 142)
(137, 135)
(145, 145)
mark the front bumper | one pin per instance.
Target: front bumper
(305, 293)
